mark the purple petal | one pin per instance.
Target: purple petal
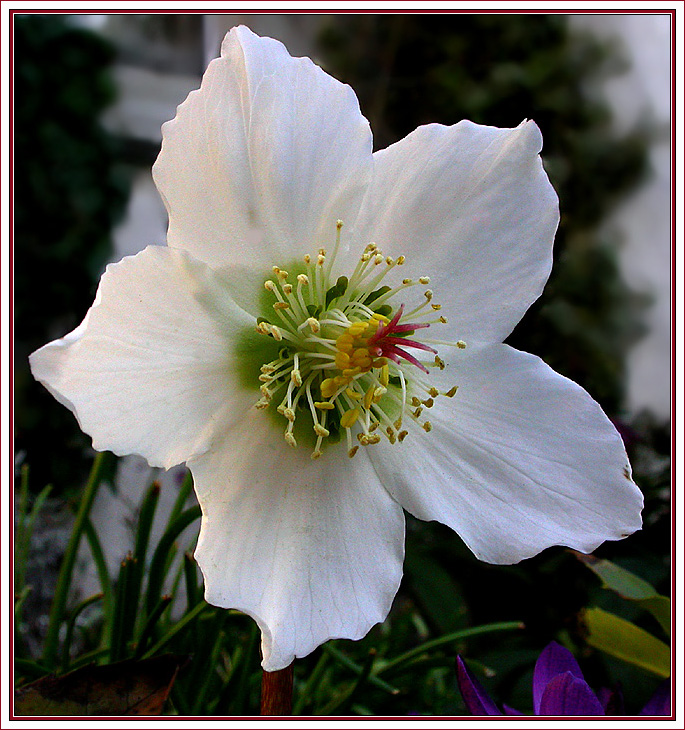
(568, 695)
(553, 660)
(660, 703)
(511, 710)
(475, 697)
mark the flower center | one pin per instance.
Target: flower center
(345, 362)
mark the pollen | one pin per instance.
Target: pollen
(352, 363)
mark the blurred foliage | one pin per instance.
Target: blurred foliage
(407, 70)
(68, 192)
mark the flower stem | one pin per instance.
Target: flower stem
(277, 692)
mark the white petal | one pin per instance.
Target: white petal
(312, 550)
(263, 159)
(471, 207)
(520, 459)
(153, 369)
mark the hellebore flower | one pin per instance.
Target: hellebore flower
(289, 317)
(559, 688)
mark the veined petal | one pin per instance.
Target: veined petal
(263, 159)
(472, 208)
(553, 660)
(568, 695)
(519, 460)
(311, 549)
(152, 368)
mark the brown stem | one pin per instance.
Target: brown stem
(277, 692)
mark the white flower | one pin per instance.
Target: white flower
(268, 175)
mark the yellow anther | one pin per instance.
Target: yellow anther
(288, 288)
(385, 373)
(290, 439)
(461, 344)
(341, 380)
(378, 259)
(281, 305)
(373, 426)
(316, 454)
(389, 260)
(444, 321)
(428, 402)
(351, 372)
(324, 405)
(406, 282)
(356, 328)
(322, 252)
(436, 307)
(428, 294)
(307, 259)
(360, 353)
(365, 257)
(402, 435)
(263, 328)
(320, 259)
(452, 391)
(282, 274)
(353, 451)
(321, 431)
(275, 269)
(400, 260)
(374, 438)
(378, 317)
(261, 404)
(276, 333)
(265, 391)
(296, 377)
(368, 397)
(417, 412)
(328, 387)
(415, 401)
(355, 395)
(349, 418)
(427, 426)
(433, 392)
(338, 224)
(378, 393)
(424, 280)
(314, 325)
(344, 343)
(269, 285)
(398, 424)
(391, 435)
(303, 279)
(342, 360)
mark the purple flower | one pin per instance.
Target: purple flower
(559, 688)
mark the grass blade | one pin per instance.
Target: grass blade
(67, 568)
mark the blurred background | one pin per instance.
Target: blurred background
(91, 92)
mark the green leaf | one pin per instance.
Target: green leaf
(124, 688)
(630, 586)
(622, 639)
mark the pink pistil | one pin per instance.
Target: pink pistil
(383, 344)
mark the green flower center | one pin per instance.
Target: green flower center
(345, 363)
